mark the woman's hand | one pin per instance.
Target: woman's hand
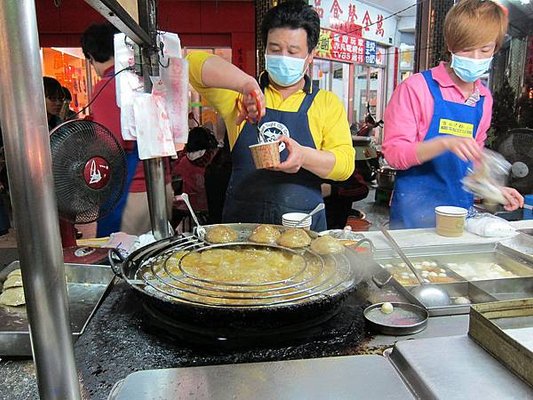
(467, 149)
(252, 105)
(514, 199)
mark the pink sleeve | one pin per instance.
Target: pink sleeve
(484, 124)
(406, 122)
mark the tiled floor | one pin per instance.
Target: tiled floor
(375, 213)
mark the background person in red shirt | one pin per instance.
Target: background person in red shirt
(131, 215)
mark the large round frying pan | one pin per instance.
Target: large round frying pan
(307, 297)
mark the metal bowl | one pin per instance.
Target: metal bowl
(405, 319)
(385, 177)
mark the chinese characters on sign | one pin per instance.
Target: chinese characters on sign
(370, 52)
(342, 47)
(356, 18)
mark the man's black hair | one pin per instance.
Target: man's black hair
(52, 88)
(97, 42)
(293, 15)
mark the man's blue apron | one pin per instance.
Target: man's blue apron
(263, 196)
(437, 182)
(111, 223)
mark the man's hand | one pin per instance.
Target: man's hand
(296, 157)
(252, 105)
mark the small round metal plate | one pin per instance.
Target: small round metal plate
(405, 319)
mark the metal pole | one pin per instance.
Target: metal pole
(29, 163)
(154, 170)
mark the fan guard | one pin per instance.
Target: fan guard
(89, 167)
(516, 148)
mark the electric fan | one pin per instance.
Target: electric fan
(516, 148)
(89, 167)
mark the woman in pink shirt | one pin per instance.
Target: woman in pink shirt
(436, 121)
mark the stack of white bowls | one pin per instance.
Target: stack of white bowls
(290, 220)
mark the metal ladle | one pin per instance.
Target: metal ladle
(200, 230)
(429, 295)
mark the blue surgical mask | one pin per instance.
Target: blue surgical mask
(284, 71)
(469, 69)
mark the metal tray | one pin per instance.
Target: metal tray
(510, 260)
(86, 286)
(508, 289)
(505, 329)
(520, 245)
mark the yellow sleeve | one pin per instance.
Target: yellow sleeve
(331, 132)
(222, 100)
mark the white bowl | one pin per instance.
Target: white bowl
(291, 219)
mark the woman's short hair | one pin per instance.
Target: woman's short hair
(293, 15)
(474, 23)
(52, 88)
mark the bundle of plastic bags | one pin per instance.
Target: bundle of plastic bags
(488, 225)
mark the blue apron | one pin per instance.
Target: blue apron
(437, 182)
(263, 196)
(111, 223)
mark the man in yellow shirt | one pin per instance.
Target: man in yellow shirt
(311, 123)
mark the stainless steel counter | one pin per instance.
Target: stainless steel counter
(456, 368)
(339, 378)
(447, 368)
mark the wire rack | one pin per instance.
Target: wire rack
(175, 275)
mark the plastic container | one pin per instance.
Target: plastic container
(450, 220)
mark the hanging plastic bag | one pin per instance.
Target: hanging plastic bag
(175, 77)
(127, 84)
(154, 137)
(487, 177)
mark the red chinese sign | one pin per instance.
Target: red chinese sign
(355, 18)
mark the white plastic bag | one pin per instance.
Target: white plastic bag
(488, 225)
(128, 83)
(154, 137)
(487, 177)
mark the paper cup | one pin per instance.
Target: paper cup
(265, 155)
(450, 220)
(290, 220)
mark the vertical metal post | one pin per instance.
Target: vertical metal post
(29, 164)
(153, 168)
